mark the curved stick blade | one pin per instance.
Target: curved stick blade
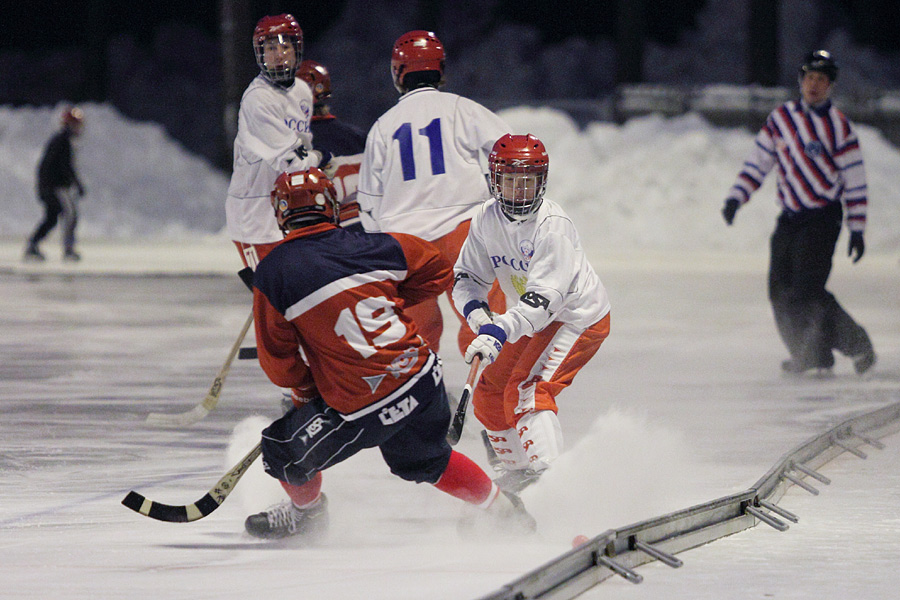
(210, 501)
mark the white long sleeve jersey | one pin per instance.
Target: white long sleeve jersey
(272, 123)
(424, 164)
(540, 265)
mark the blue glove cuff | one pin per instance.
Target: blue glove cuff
(494, 331)
(472, 305)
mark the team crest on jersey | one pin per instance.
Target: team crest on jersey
(814, 149)
(519, 283)
(403, 363)
(527, 249)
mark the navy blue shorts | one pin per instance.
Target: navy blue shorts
(410, 431)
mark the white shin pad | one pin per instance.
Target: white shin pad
(508, 449)
(541, 437)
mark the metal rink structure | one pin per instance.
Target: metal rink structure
(618, 552)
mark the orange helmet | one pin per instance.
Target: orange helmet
(416, 51)
(317, 77)
(523, 156)
(304, 198)
(286, 30)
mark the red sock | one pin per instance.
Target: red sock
(465, 480)
(306, 494)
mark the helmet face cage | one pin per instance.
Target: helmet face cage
(275, 34)
(518, 175)
(304, 198)
(416, 51)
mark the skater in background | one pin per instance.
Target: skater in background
(820, 167)
(58, 187)
(345, 142)
(558, 315)
(273, 136)
(422, 171)
(331, 323)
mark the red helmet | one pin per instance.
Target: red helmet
(523, 156)
(72, 118)
(284, 29)
(317, 77)
(416, 51)
(304, 198)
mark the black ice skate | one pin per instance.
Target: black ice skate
(514, 481)
(286, 520)
(864, 362)
(506, 517)
(796, 367)
(32, 254)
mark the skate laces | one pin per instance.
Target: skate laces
(283, 517)
(516, 480)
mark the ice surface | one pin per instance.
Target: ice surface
(684, 403)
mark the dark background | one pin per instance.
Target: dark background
(163, 62)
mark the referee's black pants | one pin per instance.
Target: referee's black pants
(809, 319)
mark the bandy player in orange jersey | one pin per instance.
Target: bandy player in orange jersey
(329, 306)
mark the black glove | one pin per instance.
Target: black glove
(730, 209)
(857, 245)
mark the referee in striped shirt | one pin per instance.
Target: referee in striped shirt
(820, 178)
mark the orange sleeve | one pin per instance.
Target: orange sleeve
(428, 272)
(278, 346)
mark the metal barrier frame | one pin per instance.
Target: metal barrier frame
(620, 551)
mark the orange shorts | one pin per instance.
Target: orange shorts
(529, 374)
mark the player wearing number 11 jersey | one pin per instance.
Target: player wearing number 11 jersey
(422, 171)
(330, 324)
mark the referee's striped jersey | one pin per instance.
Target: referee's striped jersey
(818, 159)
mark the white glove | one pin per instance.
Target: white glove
(488, 344)
(477, 313)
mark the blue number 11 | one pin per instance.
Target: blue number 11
(432, 131)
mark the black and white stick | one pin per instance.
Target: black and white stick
(459, 419)
(202, 507)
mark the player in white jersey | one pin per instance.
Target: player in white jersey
(273, 136)
(422, 169)
(558, 315)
